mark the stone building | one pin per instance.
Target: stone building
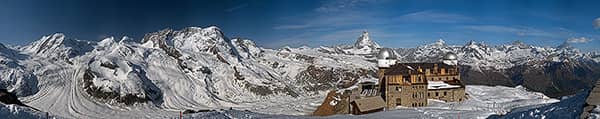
(398, 84)
(366, 99)
(411, 84)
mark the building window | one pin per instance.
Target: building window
(436, 94)
(445, 93)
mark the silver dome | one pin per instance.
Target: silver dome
(450, 56)
(386, 53)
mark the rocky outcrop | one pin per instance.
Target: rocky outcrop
(151, 92)
(161, 39)
(9, 98)
(592, 101)
(553, 79)
(322, 78)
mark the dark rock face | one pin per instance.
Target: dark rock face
(152, 93)
(485, 77)
(161, 40)
(591, 101)
(269, 90)
(322, 78)
(554, 79)
(305, 58)
(109, 65)
(9, 98)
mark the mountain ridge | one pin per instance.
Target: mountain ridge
(200, 68)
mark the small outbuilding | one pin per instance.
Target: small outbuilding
(367, 105)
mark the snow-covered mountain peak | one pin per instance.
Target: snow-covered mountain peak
(246, 48)
(438, 44)
(520, 44)
(58, 46)
(213, 31)
(126, 39)
(365, 41)
(196, 39)
(156, 39)
(363, 46)
(471, 44)
(200, 68)
(107, 41)
(46, 42)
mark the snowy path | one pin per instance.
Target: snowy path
(61, 94)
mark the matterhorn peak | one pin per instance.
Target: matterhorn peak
(365, 41)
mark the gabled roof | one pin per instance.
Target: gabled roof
(369, 103)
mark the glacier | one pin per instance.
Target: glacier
(195, 68)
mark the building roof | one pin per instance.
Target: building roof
(432, 85)
(450, 56)
(369, 103)
(411, 68)
(386, 53)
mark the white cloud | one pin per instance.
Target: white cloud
(579, 40)
(434, 16)
(597, 23)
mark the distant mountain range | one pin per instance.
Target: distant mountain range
(200, 68)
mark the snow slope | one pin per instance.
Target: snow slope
(17, 112)
(483, 101)
(170, 71)
(570, 107)
(199, 68)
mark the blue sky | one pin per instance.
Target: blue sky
(276, 23)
